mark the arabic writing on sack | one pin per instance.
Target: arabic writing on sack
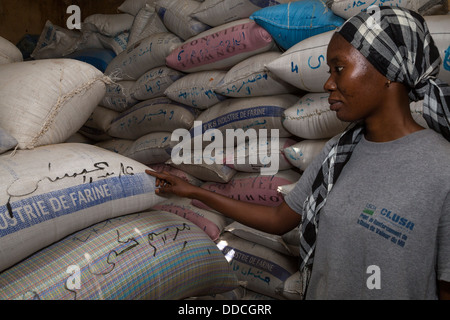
(255, 267)
(124, 248)
(94, 186)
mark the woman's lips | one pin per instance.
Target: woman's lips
(334, 104)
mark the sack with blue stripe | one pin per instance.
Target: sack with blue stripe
(53, 191)
(295, 21)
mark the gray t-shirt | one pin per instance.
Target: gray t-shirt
(384, 232)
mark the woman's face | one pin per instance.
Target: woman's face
(355, 86)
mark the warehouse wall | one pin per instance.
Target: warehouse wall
(19, 17)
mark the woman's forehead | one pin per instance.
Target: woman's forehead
(339, 48)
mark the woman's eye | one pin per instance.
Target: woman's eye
(336, 69)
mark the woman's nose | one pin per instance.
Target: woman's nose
(329, 85)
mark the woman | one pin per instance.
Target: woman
(381, 190)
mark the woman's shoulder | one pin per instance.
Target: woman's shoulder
(434, 141)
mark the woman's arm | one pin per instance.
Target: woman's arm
(444, 290)
(274, 220)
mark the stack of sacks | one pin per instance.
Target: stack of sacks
(220, 71)
(46, 101)
(58, 42)
(207, 59)
(9, 53)
(264, 263)
(303, 66)
(51, 190)
(193, 69)
(348, 8)
(219, 12)
(295, 21)
(57, 189)
(227, 80)
(147, 255)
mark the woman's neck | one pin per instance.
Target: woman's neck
(391, 130)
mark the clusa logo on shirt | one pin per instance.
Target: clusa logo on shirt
(369, 209)
(390, 226)
(396, 218)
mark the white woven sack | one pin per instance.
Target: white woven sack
(218, 12)
(134, 6)
(47, 101)
(7, 142)
(9, 52)
(143, 56)
(119, 146)
(285, 189)
(101, 118)
(248, 113)
(440, 31)
(301, 154)
(271, 241)
(264, 270)
(292, 239)
(163, 167)
(118, 96)
(251, 78)
(56, 42)
(154, 83)
(154, 115)
(197, 89)
(146, 23)
(262, 151)
(93, 134)
(348, 8)
(221, 47)
(212, 223)
(252, 187)
(207, 172)
(109, 25)
(311, 118)
(117, 43)
(152, 148)
(53, 191)
(176, 16)
(78, 137)
(304, 65)
(89, 40)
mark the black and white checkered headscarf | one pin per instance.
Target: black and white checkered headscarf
(399, 45)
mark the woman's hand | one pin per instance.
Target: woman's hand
(275, 220)
(167, 183)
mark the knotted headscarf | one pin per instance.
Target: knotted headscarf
(398, 44)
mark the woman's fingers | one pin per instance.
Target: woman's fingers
(164, 181)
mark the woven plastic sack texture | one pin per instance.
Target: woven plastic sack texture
(9, 52)
(293, 22)
(218, 12)
(220, 48)
(52, 191)
(150, 255)
(46, 101)
(143, 56)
